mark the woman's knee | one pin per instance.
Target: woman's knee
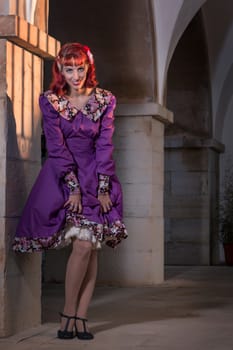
(82, 248)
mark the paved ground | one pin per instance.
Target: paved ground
(192, 310)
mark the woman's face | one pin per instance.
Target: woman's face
(75, 76)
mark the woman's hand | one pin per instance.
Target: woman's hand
(74, 203)
(105, 202)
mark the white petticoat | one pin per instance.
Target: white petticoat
(82, 233)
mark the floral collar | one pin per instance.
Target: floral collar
(93, 109)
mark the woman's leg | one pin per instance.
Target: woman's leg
(87, 289)
(76, 270)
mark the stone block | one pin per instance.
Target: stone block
(3, 250)
(134, 269)
(158, 144)
(158, 176)
(20, 282)
(190, 230)
(43, 40)
(157, 129)
(3, 85)
(19, 31)
(52, 45)
(2, 187)
(143, 234)
(9, 70)
(186, 159)
(23, 293)
(23, 28)
(2, 306)
(133, 175)
(19, 186)
(167, 183)
(187, 254)
(134, 126)
(24, 117)
(137, 200)
(189, 183)
(33, 36)
(157, 201)
(134, 158)
(187, 207)
(158, 161)
(131, 141)
(139, 259)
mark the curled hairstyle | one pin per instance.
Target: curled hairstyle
(72, 54)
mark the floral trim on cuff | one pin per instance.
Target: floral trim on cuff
(103, 184)
(72, 183)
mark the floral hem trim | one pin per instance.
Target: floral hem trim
(110, 235)
(37, 244)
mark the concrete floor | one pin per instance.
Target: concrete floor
(192, 310)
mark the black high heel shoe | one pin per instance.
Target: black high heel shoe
(83, 335)
(65, 334)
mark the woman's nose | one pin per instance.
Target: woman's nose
(75, 74)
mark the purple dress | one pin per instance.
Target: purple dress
(79, 144)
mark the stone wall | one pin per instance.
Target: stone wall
(191, 196)
(192, 156)
(22, 49)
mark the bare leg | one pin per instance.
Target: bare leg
(76, 270)
(87, 289)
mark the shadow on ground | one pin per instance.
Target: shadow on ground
(186, 292)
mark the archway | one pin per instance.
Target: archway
(191, 167)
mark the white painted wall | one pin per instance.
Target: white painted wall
(171, 17)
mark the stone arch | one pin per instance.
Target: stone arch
(191, 165)
(169, 24)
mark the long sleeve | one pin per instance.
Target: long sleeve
(104, 145)
(58, 152)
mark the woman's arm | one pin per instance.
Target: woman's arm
(58, 153)
(104, 151)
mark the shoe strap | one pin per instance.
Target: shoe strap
(84, 320)
(68, 319)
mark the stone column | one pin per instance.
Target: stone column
(139, 155)
(191, 199)
(22, 50)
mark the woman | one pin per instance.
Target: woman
(77, 197)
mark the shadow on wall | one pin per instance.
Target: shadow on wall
(19, 267)
(120, 36)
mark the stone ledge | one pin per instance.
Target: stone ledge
(184, 141)
(145, 109)
(28, 36)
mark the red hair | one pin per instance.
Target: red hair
(72, 54)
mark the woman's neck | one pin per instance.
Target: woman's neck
(80, 92)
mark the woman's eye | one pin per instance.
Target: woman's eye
(69, 70)
(81, 69)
